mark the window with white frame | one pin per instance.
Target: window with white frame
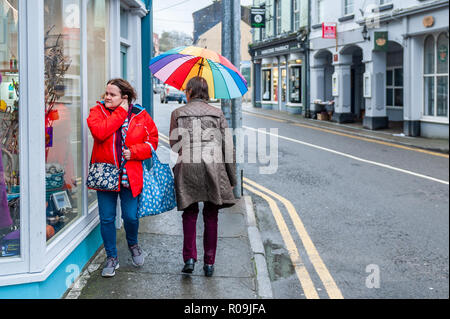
(436, 76)
(296, 14)
(394, 86)
(10, 172)
(97, 50)
(277, 17)
(124, 45)
(63, 139)
(348, 7)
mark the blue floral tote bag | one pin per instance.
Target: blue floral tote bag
(158, 193)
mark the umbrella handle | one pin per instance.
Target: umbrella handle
(200, 68)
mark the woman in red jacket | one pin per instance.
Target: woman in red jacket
(122, 132)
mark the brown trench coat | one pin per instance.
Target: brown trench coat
(205, 170)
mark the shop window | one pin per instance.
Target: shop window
(266, 85)
(9, 130)
(63, 144)
(275, 85)
(98, 48)
(295, 83)
(436, 76)
(394, 87)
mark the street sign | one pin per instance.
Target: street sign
(258, 17)
(329, 30)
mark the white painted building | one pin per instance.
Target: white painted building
(405, 80)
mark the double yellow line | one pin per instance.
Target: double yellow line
(313, 255)
(306, 282)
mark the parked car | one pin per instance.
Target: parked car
(170, 93)
(158, 87)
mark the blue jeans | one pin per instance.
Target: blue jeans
(107, 204)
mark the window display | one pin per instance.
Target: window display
(275, 85)
(295, 83)
(62, 114)
(97, 47)
(266, 85)
(9, 130)
(436, 75)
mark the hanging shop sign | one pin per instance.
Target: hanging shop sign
(329, 30)
(258, 17)
(380, 41)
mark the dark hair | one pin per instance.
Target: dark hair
(125, 88)
(197, 87)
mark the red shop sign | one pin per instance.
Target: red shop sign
(329, 30)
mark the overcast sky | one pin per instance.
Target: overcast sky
(176, 15)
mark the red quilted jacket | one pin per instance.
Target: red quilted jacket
(141, 132)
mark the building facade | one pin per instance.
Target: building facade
(388, 64)
(278, 56)
(208, 34)
(55, 59)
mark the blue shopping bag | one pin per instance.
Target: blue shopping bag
(158, 193)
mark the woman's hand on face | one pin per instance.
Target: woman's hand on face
(127, 154)
(125, 104)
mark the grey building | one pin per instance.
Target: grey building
(389, 63)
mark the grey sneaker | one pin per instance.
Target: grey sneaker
(110, 268)
(137, 255)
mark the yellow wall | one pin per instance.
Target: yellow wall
(212, 39)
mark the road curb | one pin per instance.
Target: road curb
(264, 287)
(337, 129)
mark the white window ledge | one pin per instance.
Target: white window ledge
(435, 120)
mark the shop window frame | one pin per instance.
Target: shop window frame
(38, 259)
(262, 85)
(299, 66)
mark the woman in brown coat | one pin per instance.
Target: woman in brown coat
(205, 170)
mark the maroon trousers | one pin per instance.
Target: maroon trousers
(210, 218)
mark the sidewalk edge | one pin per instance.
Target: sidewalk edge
(264, 287)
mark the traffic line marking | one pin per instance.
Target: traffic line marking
(366, 139)
(300, 269)
(351, 156)
(325, 276)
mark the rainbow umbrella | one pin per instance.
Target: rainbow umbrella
(177, 66)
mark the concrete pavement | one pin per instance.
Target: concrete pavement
(240, 269)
